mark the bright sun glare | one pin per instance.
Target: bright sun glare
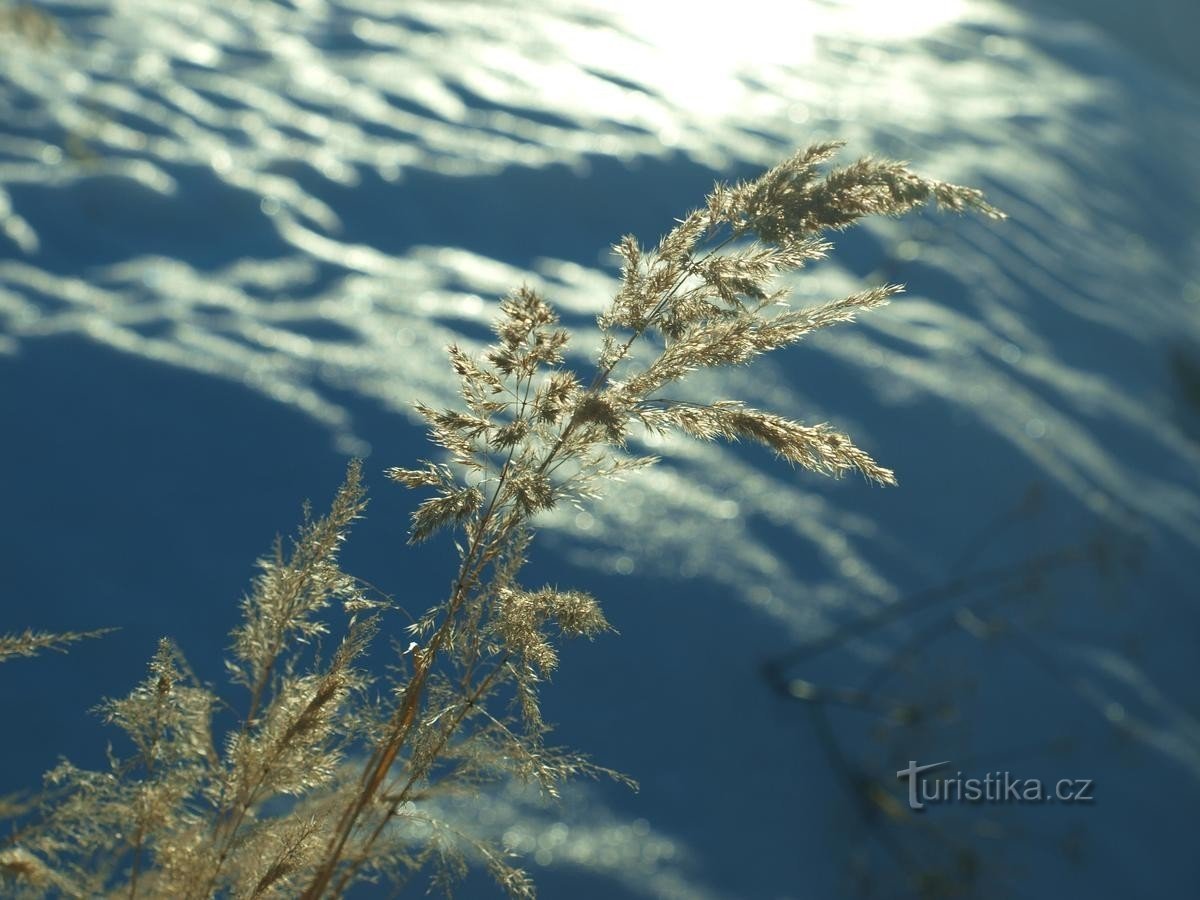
(761, 35)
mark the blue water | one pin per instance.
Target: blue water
(234, 237)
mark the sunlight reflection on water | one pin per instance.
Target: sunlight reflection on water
(193, 183)
(258, 192)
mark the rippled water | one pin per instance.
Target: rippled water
(244, 131)
(312, 198)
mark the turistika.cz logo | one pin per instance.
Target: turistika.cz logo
(994, 787)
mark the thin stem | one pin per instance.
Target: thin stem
(397, 800)
(484, 546)
(381, 761)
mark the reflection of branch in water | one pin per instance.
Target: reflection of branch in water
(957, 866)
(955, 587)
(1017, 582)
(881, 812)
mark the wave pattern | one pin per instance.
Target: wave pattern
(251, 118)
(279, 142)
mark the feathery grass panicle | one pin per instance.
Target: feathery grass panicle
(291, 590)
(30, 643)
(789, 203)
(334, 773)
